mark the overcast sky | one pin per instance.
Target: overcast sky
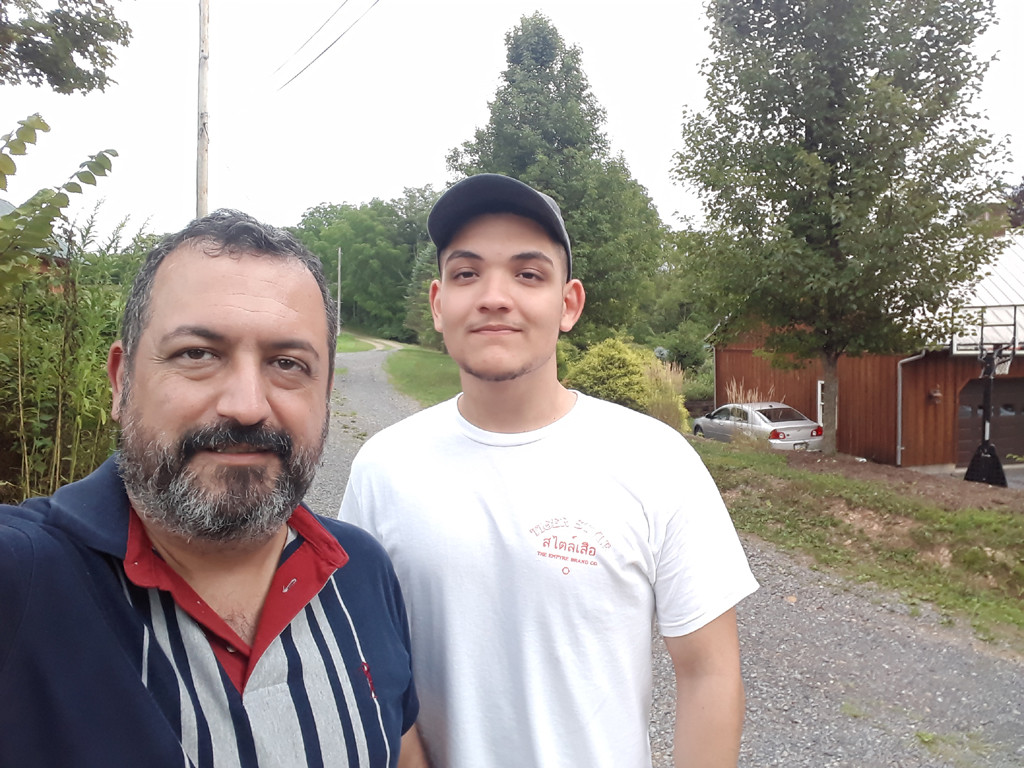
(380, 110)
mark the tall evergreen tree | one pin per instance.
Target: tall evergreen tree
(842, 161)
(546, 128)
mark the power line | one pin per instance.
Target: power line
(325, 50)
(299, 49)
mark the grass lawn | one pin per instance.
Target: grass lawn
(349, 343)
(424, 375)
(967, 563)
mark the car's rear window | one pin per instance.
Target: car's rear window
(776, 415)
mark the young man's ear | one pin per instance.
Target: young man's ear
(435, 305)
(573, 299)
(116, 367)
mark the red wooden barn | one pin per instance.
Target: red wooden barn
(921, 408)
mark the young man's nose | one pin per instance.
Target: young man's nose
(495, 294)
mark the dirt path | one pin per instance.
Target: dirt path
(838, 675)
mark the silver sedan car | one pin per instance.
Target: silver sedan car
(783, 427)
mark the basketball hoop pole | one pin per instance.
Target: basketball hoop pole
(985, 466)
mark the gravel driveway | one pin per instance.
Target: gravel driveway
(837, 674)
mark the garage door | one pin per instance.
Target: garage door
(1007, 418)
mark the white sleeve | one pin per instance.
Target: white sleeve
(702, 570)
(352, 509)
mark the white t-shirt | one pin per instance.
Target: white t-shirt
(532, 565)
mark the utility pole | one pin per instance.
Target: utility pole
(203, 138)
(339, 291)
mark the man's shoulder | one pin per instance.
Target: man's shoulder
(358, 543)
(631, 440)
(27, 539)
(22, 523)
(605, 415)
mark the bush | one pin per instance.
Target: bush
(686, 345)
(700, 383)
(566, 353)
(55, 330)
(614, 372)
(635, 378)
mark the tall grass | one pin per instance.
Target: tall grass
(55, 330)
(666, 403)
(736, 392)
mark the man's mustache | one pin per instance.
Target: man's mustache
(258, 437)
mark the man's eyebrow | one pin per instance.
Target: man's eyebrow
(461, 254)
(278, 345)
(524, 256)
(193, 330)
(533, 256)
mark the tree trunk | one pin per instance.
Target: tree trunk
(830, 401)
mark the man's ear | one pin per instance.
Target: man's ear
(435, 305)
(573, 299)
(117, 366)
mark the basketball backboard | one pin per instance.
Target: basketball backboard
(995, 329)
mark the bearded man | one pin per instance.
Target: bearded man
(181, 606)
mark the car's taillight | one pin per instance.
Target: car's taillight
(777, 435)
(816, 432)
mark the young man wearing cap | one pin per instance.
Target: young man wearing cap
(537, 531)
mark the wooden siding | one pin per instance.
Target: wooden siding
(930, 430)
(868, 411)
(867, 407)
(797, 388)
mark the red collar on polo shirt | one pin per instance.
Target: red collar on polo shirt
(306, 565)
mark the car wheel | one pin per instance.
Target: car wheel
(698, 432)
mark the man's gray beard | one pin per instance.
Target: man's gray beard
(167, 491)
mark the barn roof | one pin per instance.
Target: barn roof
(1004, 283)
(995, 313)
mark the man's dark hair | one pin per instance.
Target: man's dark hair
(223, 231)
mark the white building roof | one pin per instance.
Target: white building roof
(996, 310)
(1004, 283)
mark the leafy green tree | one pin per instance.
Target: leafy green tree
(546, 128)
(418, 317)
(68, 46)
(1015, 205)
(843, 168)
(672, 306)
(378, 242)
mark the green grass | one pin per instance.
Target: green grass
(968, 563)
(349, 343)
(426, 376)
(961, 749)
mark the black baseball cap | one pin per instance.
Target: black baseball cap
(494, 193)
